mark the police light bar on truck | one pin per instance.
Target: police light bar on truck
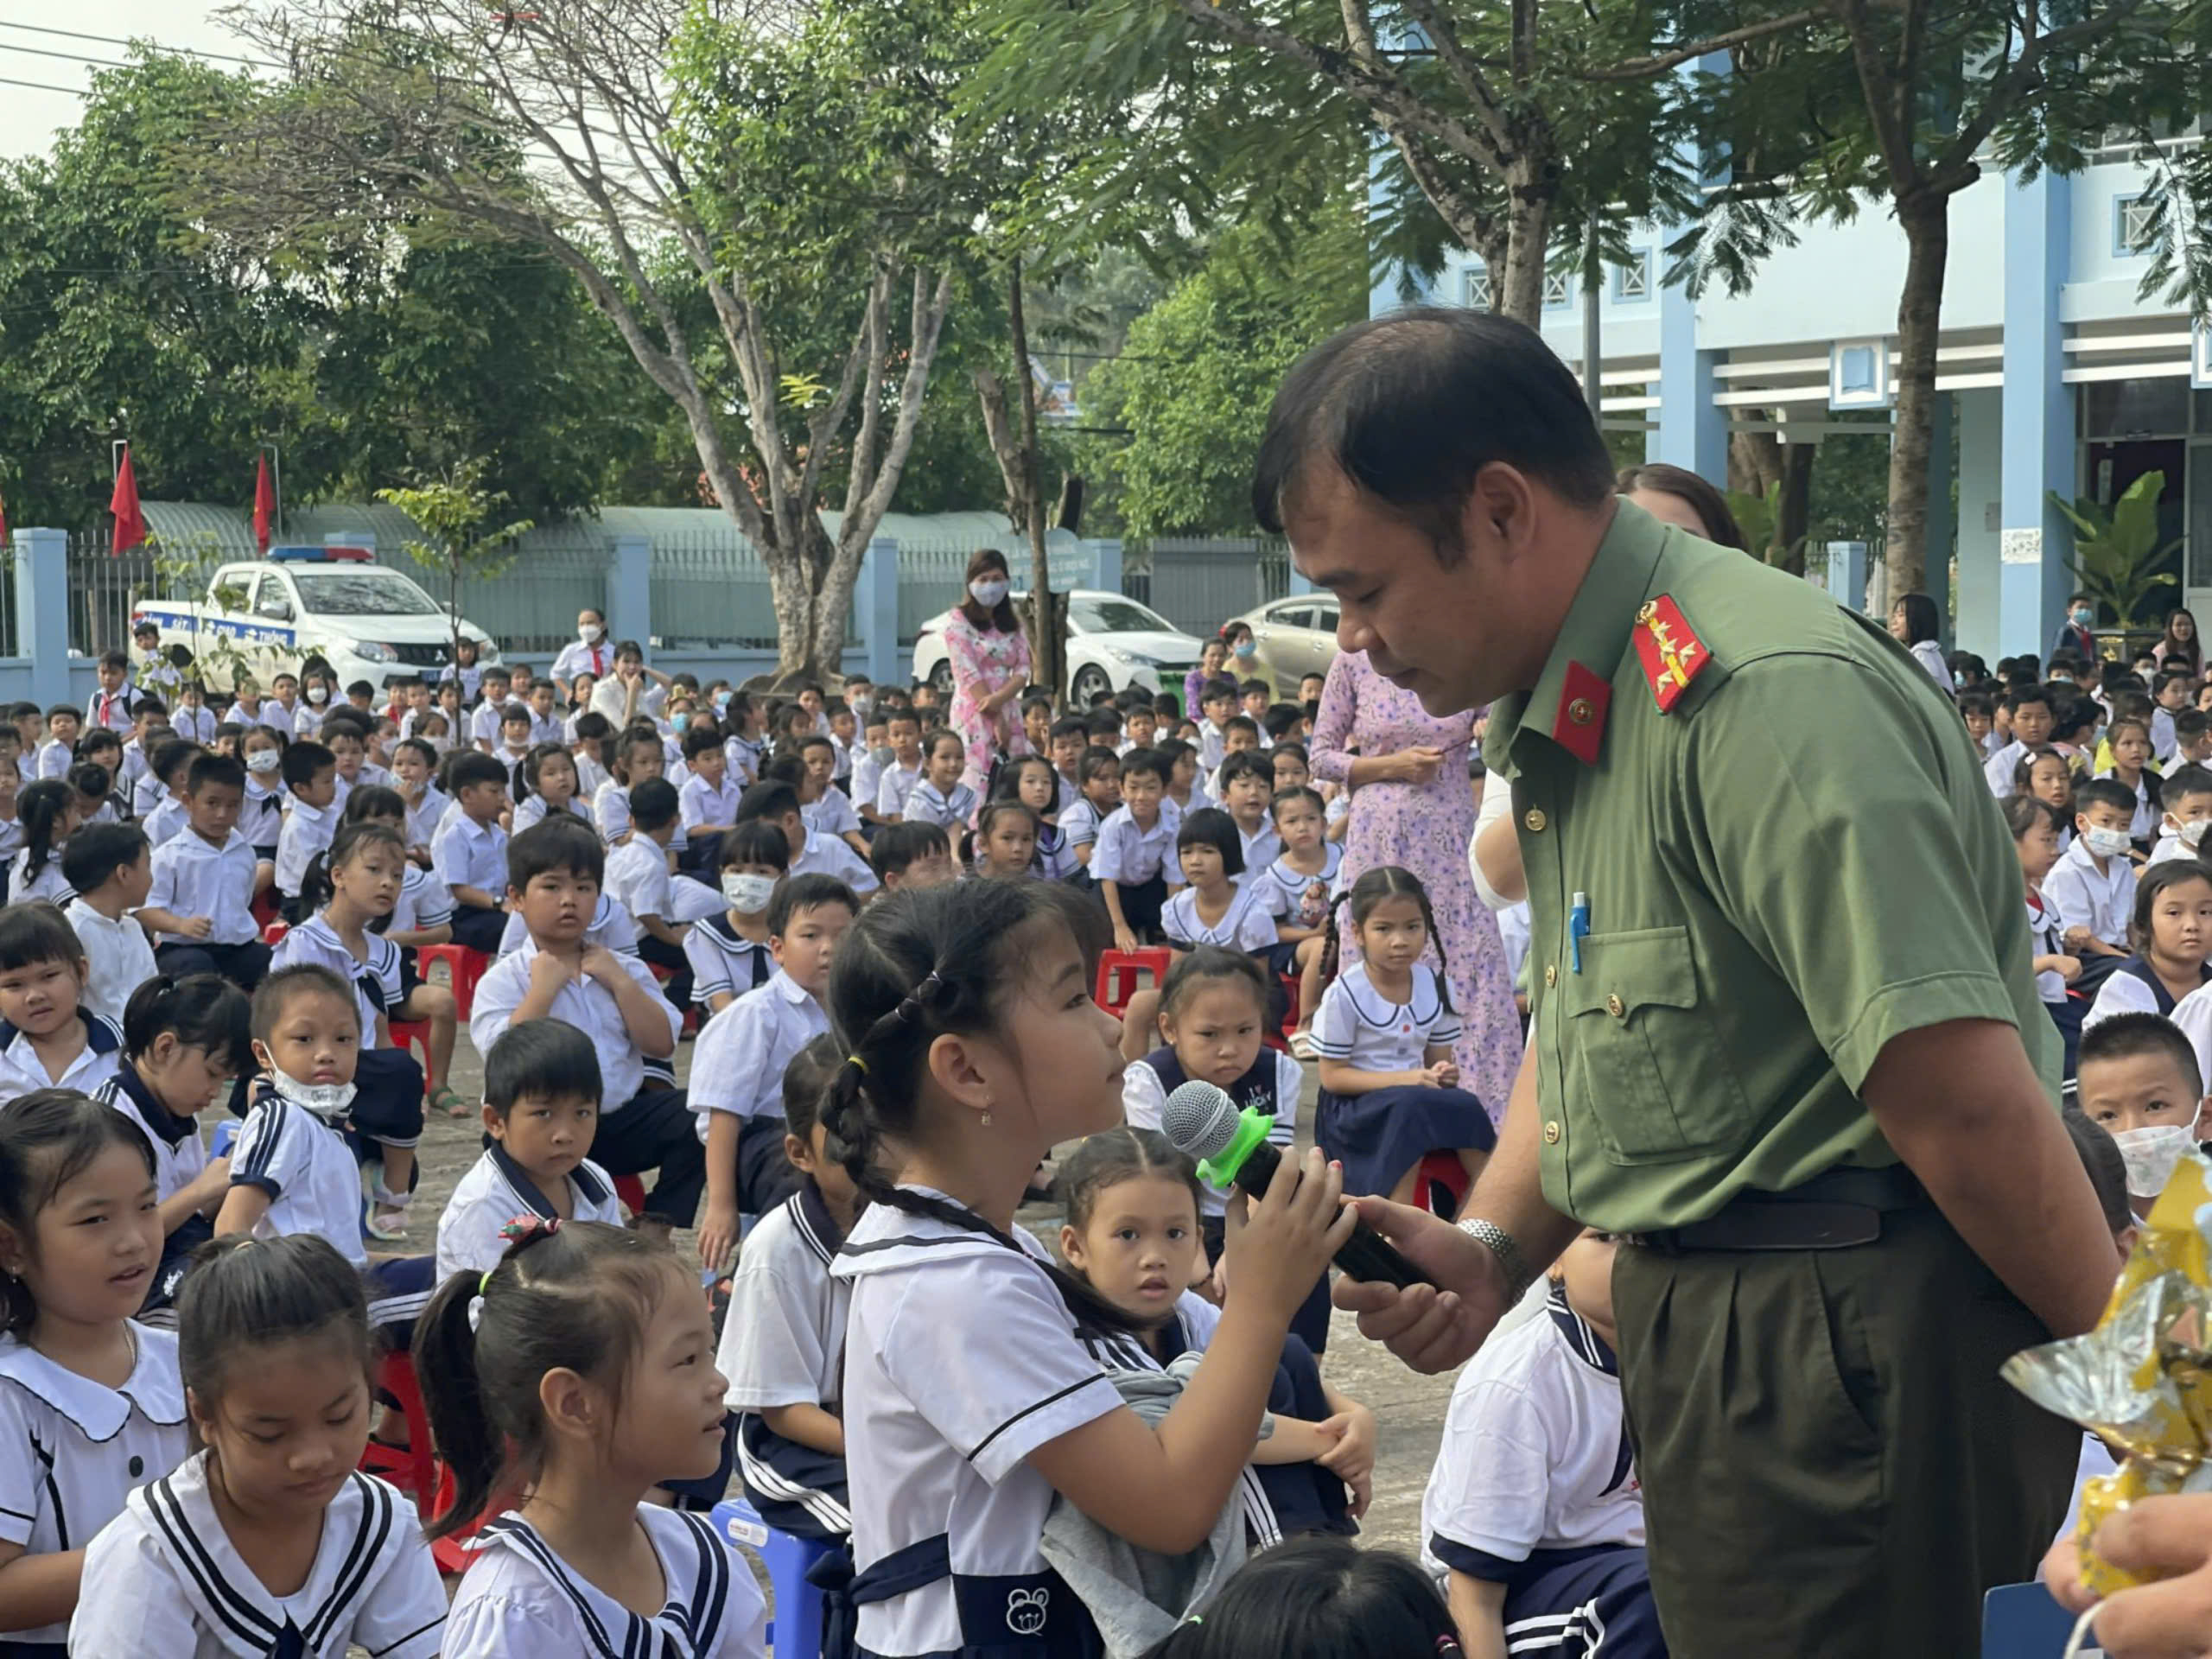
(316, 554)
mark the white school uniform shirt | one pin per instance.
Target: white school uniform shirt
(196, 724)
(110, 709)
(1144, 1096)
(49, 884)
(2105, 904)
(1131, 856)
(588, 1006)
(1262, 846)
(164, 1579)
(961, 1359)
(148, 792)
(638, 877)
(700, 803)
(2144, 823)
(926, 803)
(307, 830)
(193, 879)
(71, 1450)
(591, 776)
(495, 1192)
(2044, 930)
(610, 926)
(120, 957)
(471, 679)
(533, 812)
(261, 816)
(723, 959)
(2163, 740)
(133, 770)
(832, 814)
(511, 760)
(898, 783)
(307, 718)
(375, 981)
(1055, 858)
(1213, 744)
(1358, 1025)
(1079, 822)
(1534, 1455)
(867, 775)
(422, 904)
(464, 852)
(2170, 846)
(308, 1169)
(1246, 926)
(741, 757)
(179, 1154)
(1997, 770)
(423, 818)
(577, 657)
(546, 729)
(828, 856)
(1285, 887)
(737, 1061)
(484, 722)
(168, 821)
(54, 758)
(520, 1600)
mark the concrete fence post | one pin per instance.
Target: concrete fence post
(43, 611)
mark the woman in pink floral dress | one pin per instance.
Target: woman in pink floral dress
(989, 656)
(1412, 806)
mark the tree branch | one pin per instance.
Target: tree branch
(1659, 64)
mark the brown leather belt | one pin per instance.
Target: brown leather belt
(1836, 1210)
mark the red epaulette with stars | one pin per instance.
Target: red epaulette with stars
(1670, 649)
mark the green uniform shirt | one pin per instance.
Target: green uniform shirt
(1797, 862)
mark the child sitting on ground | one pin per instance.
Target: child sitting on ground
(2094, 885)
(469, 852)
(111, 869)
(310, 774)
(637, 880)
(812, 852)
(911, 856)
(201, 907)
(541, 1110)
(728, 953)
(2140, 1080)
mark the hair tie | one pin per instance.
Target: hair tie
(857, 1063)
(523, 1227)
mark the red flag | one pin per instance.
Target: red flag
(264, 506)
(130, 522)
(4, 523)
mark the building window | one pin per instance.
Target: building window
(2131, 220)
(1474, 288)
(1559, 288)
(1632, 281)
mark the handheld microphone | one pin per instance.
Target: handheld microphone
(1232, 1147)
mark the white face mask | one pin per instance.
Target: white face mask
(318, 694)
(2151, 1154)
(327, 1100)
(2106, 843)
(2193, 834)
(748, 894)
(263, 760)
(988, 591)
(589, 634)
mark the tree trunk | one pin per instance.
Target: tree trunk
(1518, 290)
(1795, 518)
(1045, 642)
(792, 594)
(1926, 222)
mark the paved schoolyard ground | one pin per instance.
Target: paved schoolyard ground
(1408, 1408)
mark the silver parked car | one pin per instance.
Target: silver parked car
(1293, 638)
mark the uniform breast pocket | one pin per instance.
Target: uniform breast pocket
(1660, 1084)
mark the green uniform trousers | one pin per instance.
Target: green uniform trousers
(1832, 1467)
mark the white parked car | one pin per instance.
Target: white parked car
(1114, 643)
(368, 620)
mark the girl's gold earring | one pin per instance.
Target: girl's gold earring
(986, 1119)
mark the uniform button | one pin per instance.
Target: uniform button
(1580, 712)
(1613, 1006)
(1536, 821)
(138, 1467)
(1551, 973)
(1551, 1133)
(1650, 610)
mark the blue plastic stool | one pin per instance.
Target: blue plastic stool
(2020, 1621)
(795, 1632)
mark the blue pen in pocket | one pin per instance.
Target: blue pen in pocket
(1578, 928)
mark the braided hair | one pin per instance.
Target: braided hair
(919, 963)
(1383, 881)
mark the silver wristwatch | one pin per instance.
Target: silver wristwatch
(1499, 1244)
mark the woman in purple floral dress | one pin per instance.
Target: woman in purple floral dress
(1412, 806)
(989, 656)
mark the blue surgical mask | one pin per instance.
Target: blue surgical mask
(1245, 647)
(2084, 616)
(680, 722)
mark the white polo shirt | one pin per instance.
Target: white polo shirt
(424, 817)
(424, 903)
(534, 811)
(196, 724)
(305, 1165)
(1130, 855)
(179, 1154)
(73, 1450)
(165, 1578)
(519, 1598)
(637, 877)
(54, 758)
(828, 855)
(961, 1359)
(611, 806)
(495, 1192)
(704, 805)
(192, 878)
(724, 960)
(170, 819)
(2105, 904)
(737, 1061)
(465, 853)
(1260, 847)
(121, 960)
(868, 776)
(587, 1005)
(832, 814)
(1535, 1454)
(898, 783)
(611, 925)
(307, 830)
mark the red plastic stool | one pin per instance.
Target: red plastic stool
(264, 906)
(416, 1034)
(1441, 1169)
(413, 1468)
(631, 1191)
(1118, 975)
(273, 934)
(464, 967)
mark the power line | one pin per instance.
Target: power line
(66, 57)
(45, 86)
(115, 40)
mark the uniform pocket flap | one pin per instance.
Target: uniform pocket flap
(1622, 972)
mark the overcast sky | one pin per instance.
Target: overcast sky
(29, 116)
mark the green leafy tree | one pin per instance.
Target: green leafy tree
(461, 543)
(2117, 553)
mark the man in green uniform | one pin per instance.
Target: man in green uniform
(1784, 1032)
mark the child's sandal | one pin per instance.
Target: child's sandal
(445, 1100)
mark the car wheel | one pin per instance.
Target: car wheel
(1089, 681)
(941, 679)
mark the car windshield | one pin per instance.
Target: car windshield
(362, 593)
(1090, 614)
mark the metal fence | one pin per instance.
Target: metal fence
(1198, 583)
(103, 585)
(530, 606)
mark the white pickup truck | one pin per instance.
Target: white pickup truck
(267, 616)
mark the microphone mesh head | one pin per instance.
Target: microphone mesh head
(1200, 1119)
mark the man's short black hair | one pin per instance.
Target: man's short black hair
(2021, 696)
(304, 759)
(541, 1059)
(360, 688)
(2128, 1036)
(1246, 763)
(1241, 723)
(2184, 780)
(1281, 719)
(168, 757)
(211, 770)
(772, 801)
(473, 767)
(653, 804)
(898, 845)
(797, 893)
(2104, 791)
(150, 706)
(1139, 763)
(1068, 725)
(97, 851)
(562, 843)
(1410, 407)
(116, 660)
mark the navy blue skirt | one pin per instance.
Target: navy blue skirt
(1381, 1135)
